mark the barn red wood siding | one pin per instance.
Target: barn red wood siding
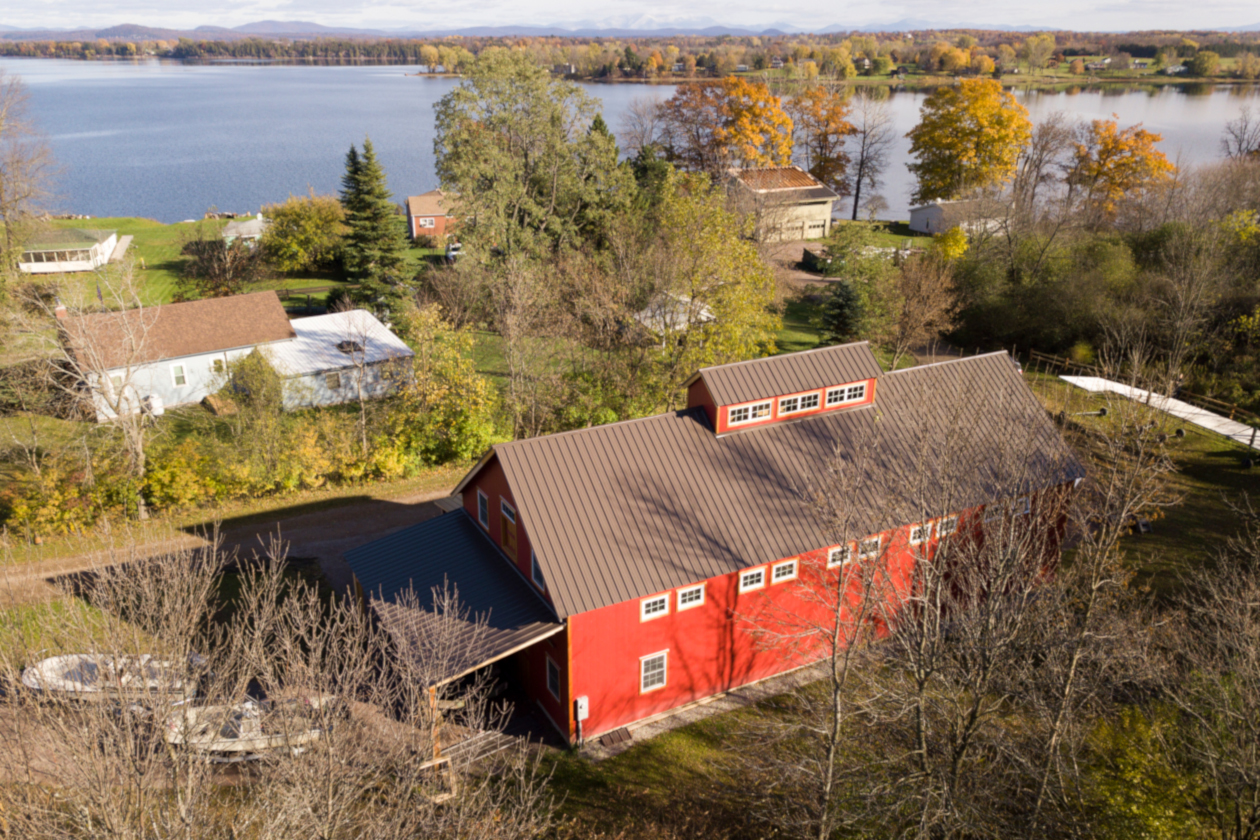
(698, 395)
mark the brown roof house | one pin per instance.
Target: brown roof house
(621, 571)
(788, 203)
(429, 214)
(151, 358)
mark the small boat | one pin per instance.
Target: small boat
(248, 731)
(94, 676)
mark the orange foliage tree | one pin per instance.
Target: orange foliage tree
(820, 119)
(1109, 164)
(710, 126)
(969, 137)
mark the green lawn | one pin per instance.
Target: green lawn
(890, 234)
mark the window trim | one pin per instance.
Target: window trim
(678, 597)
(750, 406)
(799, 396)
(924, 528)
(953, 519)
(760, 585)
(652, 599)
(482, 497)
(551, 663)
(837, 556)
(843, 389)
(535, 571)
(856, 554)
(183, 374)
(774, 569)
(506, 509)
(328, 377)
(663, 654)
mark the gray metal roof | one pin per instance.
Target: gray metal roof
(626, 510)
(503, 613)
(315, 348)
(61, 239)
(790, 373)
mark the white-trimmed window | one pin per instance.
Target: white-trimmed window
(846, 394)
(553, 678)
(867, 549)
(177, 374)
(535, 571)
(483, 509)
(425, 221)
(946, 526)
(654, 607)
(921, 533)
(740, 414)
(1023, 505)
(794, 405)
(784, 571)
(691, 596)
(507, 510)
(836, 556)
(752, 579)
(652, 671)
(332, 381)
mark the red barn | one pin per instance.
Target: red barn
(624, 570)
(429, 214)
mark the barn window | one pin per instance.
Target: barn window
(652, 671)
(946, 526)
(553, 678)
(845, 394)
(483, 509)
(177, 373)
(332, 381)
(425, 221)
(507, 510)
(654, 607)
(692, 596)
(747, 413)
(783, 571)
(835, 556)
(752, 579)
(789, 405)
(867, 549)
(920, 534)
(535, 571)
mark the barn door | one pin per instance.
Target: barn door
(507, 524)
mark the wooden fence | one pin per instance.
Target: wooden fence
(1050, 364)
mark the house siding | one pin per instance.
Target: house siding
(157, 378)
(491, 481)
(439, 229)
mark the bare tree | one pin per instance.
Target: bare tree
(26, 164)
(641, 124)
(872, 145)
(1242, 135)
(928, 304)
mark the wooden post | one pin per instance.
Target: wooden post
(1252, 444)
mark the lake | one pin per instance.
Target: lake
(168, 141)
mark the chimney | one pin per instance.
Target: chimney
(60, 312)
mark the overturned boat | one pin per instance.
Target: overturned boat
(248, 731)
(93, 676)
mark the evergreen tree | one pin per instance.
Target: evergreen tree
(841, 313)
(374, 243)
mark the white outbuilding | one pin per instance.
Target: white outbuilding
(68, 249)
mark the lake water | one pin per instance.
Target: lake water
(168, 140)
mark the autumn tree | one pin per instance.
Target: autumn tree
(26, 165)
(1242, 135)
(711, 126)
(516, 145)
(1204, 63)
(305, 232)
(820, 122)
(1038, 49)
(216, 267)
(969, 137)
(1109, 164)
(871, 144)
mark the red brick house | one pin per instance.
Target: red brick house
(429, 214)
(622, 570)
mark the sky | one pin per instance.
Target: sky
(1117, 15)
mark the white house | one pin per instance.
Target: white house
(179, 353)
(939, 216)
(249, 231)
(787, 202)
(68, 249)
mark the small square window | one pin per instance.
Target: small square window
(854, 393)
(920, 534)
(535, 571)
(654, 607)
(809, 401)
(845, 394)
(946, 526)
(177, 373)
(783, 571)
(426, 222)
(652, 671)
(761, 411)
(789, 405)
(737, 415)
(836, 556)
(507, 510)
(867, 549)
(332, 381)
(553, 678)
(692, 596)
(752, 579)
(483, 509)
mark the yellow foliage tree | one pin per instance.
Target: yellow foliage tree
(1109, 164)
(969, 136)
(983, 65)
(820, 118)
(951, 244)
(710, 126)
